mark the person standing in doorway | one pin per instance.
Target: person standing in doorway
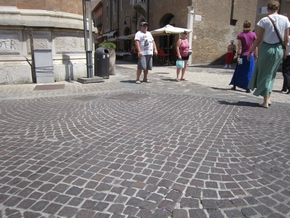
(182, 51)
(145, 47)
(230, 54)
(245, 68)
(270, 51)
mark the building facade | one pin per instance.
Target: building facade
(214, 23)
(58, 26)
(47, 24)
(262, 8)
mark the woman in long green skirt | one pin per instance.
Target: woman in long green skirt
(270, 57)
(270, 52)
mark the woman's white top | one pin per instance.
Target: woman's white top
(270, 35)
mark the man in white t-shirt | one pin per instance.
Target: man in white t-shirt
(145, 47)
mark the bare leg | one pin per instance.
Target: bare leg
(267, 101)
(177, 74)
(138, 74)
(183, 71)
(145, 75)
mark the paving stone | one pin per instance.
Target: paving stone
(116, 208)
(131, 211)
(134, 201)
(75, 201)
(102, 215)
(189, 203)
(262, 209)
(40, 205)
(233, 213)
(62, 199)
(167, 205)
(147, 205)
(179, 213)
(25, 204)
(52, 208)
(197, 213)
(85, 213)
(248, 212)
(68, 211)
(215, 213)
(12, 201)
(74, 191)
(82, 152)
(209, 204)
(100, 206)
(28, 214)
(160, 214)
(193, 192)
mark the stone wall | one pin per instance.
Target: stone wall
(71, 6)
(60, 32)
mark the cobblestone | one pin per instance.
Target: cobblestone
(162, 149)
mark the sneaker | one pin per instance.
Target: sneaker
(138, 82)
(226, 66)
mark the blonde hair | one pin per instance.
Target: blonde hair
(273, 5)
(247, 26)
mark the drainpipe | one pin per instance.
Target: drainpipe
(190, 26)
(148, 12)
(90, 25)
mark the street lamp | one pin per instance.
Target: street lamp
(90, 48)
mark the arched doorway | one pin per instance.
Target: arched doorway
(127, 43)
(167, 43)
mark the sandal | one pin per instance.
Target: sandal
(184, 80)
(146, 81)
(264, 105)
(177, 80)
(138, 82)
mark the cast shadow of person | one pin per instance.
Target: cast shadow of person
(69, 71)
(240, 103)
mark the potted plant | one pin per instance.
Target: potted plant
(112, 59)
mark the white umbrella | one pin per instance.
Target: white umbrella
(168, 29)
(128, 37)
(111, 40)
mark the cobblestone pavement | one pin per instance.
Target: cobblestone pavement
(162, 149)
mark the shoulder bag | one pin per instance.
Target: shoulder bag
(279, 35)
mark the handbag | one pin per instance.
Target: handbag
(180, 64)
(279, 35)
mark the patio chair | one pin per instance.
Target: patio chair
(162, 55)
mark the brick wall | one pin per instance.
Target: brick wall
(71, 6)
(214, 31)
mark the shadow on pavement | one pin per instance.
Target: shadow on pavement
(240, 103)
(169, 79)
(128, 81)
(229, 89)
